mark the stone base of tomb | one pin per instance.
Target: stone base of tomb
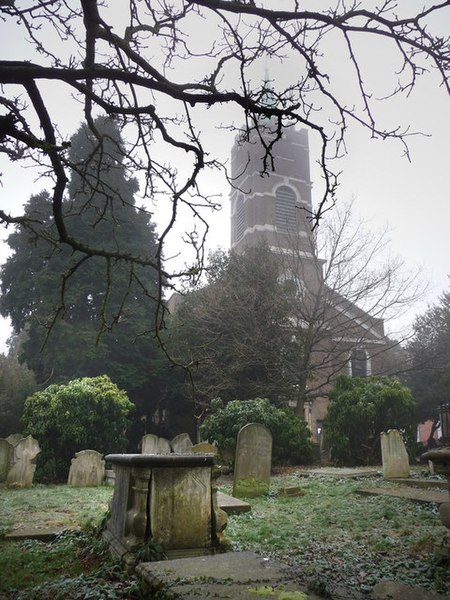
(166, 500)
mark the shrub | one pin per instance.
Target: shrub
(290, 434)
(88, 413)
(360, 409)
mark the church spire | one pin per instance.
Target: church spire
(268, 97)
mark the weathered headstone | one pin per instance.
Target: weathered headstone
(6, 454)
(253, 461)
(181, 444)
(15, 438)
(86, 469)
(152, 444)
(22, 472)
(394, 455)
(205, 448)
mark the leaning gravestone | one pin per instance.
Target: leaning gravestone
(86, 469)
(6, 454)
(181, 444)
(394, 455)
(152, 444)
(22, 472)
(253, 461)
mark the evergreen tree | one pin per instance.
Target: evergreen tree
(16, 383)
(88, 316)
(429, 353)
(235, 331)
(361, 408)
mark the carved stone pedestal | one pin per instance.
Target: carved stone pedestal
(167, 499)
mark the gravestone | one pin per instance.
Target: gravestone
(394, 455)
(152, 444)
(6, 454)
(181, 444)
(21, 473)
(15, 438)
(87, 469)
(253, 461)
(205, 448)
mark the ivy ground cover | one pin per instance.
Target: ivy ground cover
(331, 537)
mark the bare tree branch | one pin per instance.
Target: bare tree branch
(156, 72)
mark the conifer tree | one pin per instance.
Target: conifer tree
(87, 315)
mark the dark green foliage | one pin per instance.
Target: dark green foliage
(83, 315)
(360, 409)
(429, 352)
(16, 383)
(150, 551)
(235, 331)
(88, 413)
(75, 566)
(291, 437)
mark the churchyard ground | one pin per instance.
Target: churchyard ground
(328, 535)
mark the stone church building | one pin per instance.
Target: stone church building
(273, 209)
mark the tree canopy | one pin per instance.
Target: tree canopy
(87, 315)
(343, 300)
(429, 354)
(84, 413)
(284, 325)
(16, 383)
(291, 437)
(360, 409)
(147, 65)
(234, 330)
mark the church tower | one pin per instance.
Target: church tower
(274, 206)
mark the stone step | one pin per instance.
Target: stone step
(410, 493)
(42, 534)
(248, 576)
(233, 576)
(232, 505)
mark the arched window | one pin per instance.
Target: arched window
(292, 283)
(286, 210)
(359, 363)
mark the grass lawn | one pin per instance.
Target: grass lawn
(329, 535)
(77, 564)
(55, 506)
